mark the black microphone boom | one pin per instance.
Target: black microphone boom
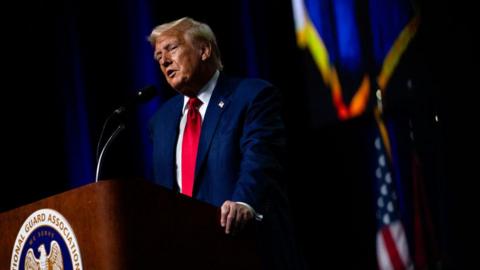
(143, 95)
(146, 94)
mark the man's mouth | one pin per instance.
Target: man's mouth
(171, 73)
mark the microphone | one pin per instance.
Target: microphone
(143, 95)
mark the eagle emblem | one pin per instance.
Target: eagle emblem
(52, 261)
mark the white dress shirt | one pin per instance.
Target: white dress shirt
(204, 96)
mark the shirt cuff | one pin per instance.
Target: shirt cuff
(258, 216)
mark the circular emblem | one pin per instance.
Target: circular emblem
(46, 241)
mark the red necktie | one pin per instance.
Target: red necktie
(191, 136)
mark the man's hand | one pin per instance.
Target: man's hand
(234, 216)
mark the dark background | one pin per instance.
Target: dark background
(330, 189)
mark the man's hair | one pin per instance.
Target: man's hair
(195, 30)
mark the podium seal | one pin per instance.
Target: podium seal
(46, 241)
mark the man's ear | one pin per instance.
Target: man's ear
(206, 50)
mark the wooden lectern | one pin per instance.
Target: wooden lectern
(139, 225)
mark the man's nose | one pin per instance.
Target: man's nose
(165, 61)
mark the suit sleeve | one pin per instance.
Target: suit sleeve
(262, 144)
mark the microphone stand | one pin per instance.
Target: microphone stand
(143, 95)
(119, 128)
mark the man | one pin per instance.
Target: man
(222, 140)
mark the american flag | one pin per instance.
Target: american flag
(392, 246)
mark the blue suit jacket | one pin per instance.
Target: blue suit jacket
(240, 156)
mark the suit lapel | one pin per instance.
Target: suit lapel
(218, 103)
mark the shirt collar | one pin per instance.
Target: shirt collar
(206, 92)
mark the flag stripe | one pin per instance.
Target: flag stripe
(400, 238)
(392, 249)
(383, 258)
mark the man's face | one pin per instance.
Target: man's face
(180, 61)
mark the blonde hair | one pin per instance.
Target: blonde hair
(196, 31)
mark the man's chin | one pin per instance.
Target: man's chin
(179, 87)
(182, 87)
(174, 84)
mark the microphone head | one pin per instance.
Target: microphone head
(141, 96)
(120, 110)
(145, 94)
